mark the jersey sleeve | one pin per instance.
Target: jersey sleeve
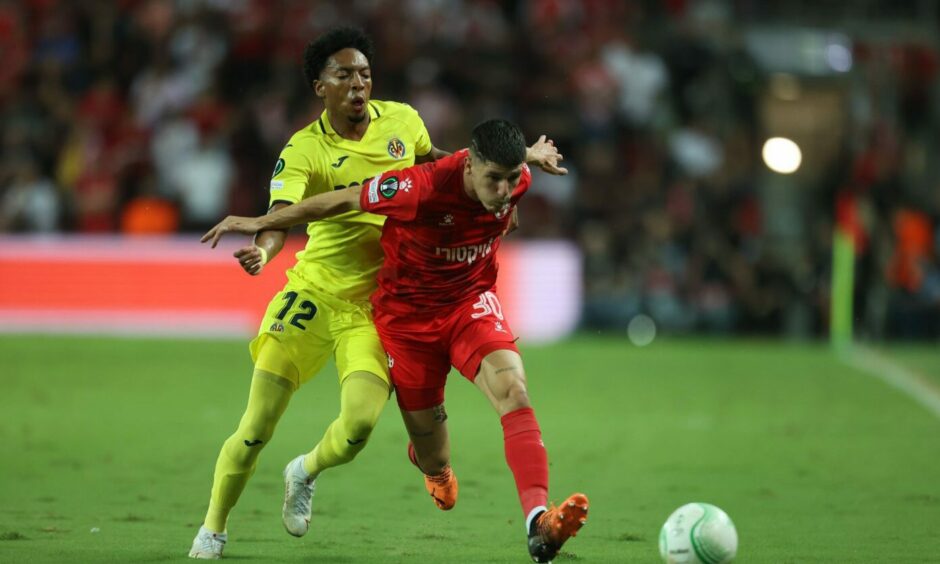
(398, 193)
(422, 138)
(292, 174)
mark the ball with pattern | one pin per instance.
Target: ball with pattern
(698, 533)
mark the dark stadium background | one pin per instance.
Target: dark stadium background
(110, 110)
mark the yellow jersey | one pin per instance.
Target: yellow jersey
(343, 253)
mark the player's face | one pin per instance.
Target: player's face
(346, 84)
(492, 183)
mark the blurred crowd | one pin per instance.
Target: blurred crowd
(159, 116)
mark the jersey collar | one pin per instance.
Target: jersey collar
(326, 127)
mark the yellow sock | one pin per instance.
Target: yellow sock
(267, 401)
(362, 398)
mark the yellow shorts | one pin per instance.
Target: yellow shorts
(303, 326)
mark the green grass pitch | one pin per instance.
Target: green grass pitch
(109, 445)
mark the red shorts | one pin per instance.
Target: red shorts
(421, 348)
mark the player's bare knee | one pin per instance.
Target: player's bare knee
(516, 397)
(507, 387)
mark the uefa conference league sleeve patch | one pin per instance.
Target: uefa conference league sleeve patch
(388, 188)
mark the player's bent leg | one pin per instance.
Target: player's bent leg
(267, 401)
(362, 397)
(501, 378)
(429, 450)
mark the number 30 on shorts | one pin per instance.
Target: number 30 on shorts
(488, 304)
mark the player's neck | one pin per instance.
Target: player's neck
(468, 187)
(354, 131)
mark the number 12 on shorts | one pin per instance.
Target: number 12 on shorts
(487, 304)
(309, 310)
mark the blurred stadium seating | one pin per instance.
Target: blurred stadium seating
(111, 110)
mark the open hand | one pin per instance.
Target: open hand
(545, 155)
(231, 224)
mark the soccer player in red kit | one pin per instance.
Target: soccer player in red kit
(436, 306)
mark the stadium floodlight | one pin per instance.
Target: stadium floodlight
(782, 155)
(839, 57)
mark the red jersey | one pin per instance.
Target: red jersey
(440, 245)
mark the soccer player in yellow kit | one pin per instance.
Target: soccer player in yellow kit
(324, 308)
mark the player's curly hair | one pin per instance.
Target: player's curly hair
(498, 141)
(322, 48)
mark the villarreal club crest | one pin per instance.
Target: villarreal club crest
(396, 148)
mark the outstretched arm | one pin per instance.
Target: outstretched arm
(542, 154)
(311, 209)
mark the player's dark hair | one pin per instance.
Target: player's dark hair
(498, 141)
(322, 48)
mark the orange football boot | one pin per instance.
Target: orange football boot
(442, 487)
(555, 526)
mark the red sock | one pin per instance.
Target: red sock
(525, 454)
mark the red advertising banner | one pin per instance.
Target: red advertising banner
(177, 287)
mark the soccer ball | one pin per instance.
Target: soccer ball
(698, 533)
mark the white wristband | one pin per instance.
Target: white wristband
(264, 256)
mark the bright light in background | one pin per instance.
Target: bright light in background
(782, 155)
(839, 57)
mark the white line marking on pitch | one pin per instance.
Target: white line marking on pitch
(895, 375)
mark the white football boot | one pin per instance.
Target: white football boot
(208, 545)
(298, 498)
